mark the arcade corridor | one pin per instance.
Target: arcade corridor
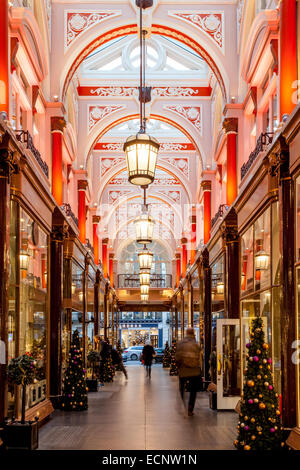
(140, 415)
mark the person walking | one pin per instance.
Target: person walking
(188, 362)
(117, 360)
(147, 356)
(105, 351)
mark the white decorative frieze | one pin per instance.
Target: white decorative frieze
(119, 91)
(108, 163)
(210, 23)
(114, 196)
(181, 164)
(192, 113)
(97, 113)
(175, 91)
(77, 22)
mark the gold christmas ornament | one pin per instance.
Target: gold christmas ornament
(260, 395)
(278, 412)
(265, 361)
(262, 406)
(259, 376)
(265, 346)
(246, 447)
(252, 420)
(260, 366)
(253, 437)
(258, 351)
(266, 384)
(256, 400)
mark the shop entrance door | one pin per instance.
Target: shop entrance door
(228, 363)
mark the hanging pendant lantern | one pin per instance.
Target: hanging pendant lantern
(145, 259)
(144, 225)
(73, 288)
(145, 277)
(145, 290)
(220, 287)
(141, 155)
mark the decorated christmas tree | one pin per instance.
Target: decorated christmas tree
(119, 350)
(167, 356)
(259, 427)
(173, 366)
(74, 396)
(108, 369)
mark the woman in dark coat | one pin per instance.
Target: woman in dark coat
(147, 355)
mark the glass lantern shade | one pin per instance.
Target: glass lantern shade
(145, 259)
(145, 277)
(262, 260)
(73, 288)
(145, 290)
(220, 287)
(80, 296)
(145, 297)
(24, 260)
(144, 225)
(141, 154)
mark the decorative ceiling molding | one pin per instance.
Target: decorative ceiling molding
(164, 147)
(123, 91)
(109, 162)
(193, 114)
(182, 164)
(210, 23)
(97, 113)
(79, 21)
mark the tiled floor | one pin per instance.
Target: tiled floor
(140, 414)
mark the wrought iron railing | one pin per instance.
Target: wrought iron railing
(133, 280)
(25, 138)
(264, 139)
(220, 212)
(69, 213)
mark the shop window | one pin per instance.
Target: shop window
(33, 262)
(296, 345)
(77, 300)
(298, 218)
(247, 261)
(217, 294)
(262, 244)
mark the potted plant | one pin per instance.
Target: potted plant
(21, 434)
(92, 384)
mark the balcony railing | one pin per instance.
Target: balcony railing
(133, 280)
(220, 212)
(66, 208)
(25, 138)
(263, 140)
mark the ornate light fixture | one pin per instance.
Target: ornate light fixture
(145, 277)
(262, 260)
(145, 290)
(73, 288)
(145, 297)
(141, 149)
(145, 259)
(144, 226)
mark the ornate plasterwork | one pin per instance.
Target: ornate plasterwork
(182, 164)
(210, 23)
(173, 195)
(115, 195)
(107, 163)
(114, 91)
(160, 180)
(97, 113)
(164, 147)
(192, 113)
(79, 21)
(175, 91)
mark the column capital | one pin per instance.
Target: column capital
(230, 125)
(177, 256)
(105, 241)
(193, 219)
(206, 185)
(58, 123)
(96, 219)
(111, 255)
(183, 240)
(82, 185)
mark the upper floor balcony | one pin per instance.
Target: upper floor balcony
(159, 281)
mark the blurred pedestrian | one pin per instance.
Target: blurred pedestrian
(148, 354)
(117, 360)
(188, 362)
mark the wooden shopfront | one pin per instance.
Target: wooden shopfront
(28, 226)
